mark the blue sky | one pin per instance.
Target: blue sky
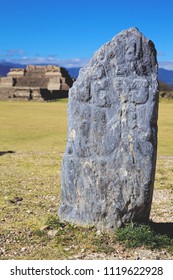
(69, 32)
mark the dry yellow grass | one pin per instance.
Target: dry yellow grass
(165, 128)
(29, 126)
(30, 185)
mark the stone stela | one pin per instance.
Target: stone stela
(35, 83)
(109, 164)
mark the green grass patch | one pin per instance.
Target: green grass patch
(72, 236)
(54, 222)
(137, 235)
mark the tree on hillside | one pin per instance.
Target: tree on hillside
(165, 87)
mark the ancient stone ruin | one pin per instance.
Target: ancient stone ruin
(109, 165)
(35, 83)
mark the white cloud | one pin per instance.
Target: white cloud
(22, 57)
(168, 65)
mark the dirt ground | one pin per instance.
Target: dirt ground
(28, 195)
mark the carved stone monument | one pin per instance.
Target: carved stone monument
(109, 164)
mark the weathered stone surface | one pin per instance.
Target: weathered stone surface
(6, 82)
(54, 84)
(109, 164)
(16, 72)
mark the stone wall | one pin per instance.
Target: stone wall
(16, 72)
(35, 83)
(6, 82)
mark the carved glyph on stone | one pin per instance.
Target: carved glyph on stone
(109, 164)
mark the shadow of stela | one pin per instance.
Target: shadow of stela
(6, 152)
(163, 228)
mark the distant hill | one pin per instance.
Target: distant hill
(164, 75)
(6, 66)
(74, 72)
(4, 70)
